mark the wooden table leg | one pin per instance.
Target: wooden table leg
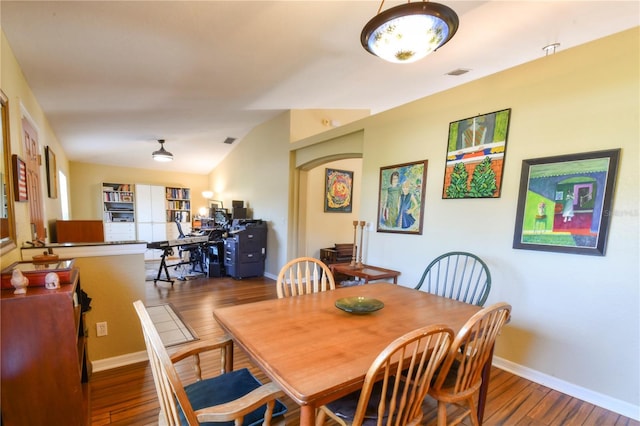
(484, 387)
(307, 415)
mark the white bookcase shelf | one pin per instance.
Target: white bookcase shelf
(178, 204)
(118, 201)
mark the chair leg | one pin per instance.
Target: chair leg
(442, 413)
(473, 412)
(320, 415)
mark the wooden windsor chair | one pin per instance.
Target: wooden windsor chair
(231, 396)
(304, 275)
(457, 275)
(396, 383)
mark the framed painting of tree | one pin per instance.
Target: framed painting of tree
(475, 156)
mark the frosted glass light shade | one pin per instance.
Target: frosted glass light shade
(409, 32)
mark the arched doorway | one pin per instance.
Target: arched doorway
(305, 160)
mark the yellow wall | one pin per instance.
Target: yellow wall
(86, 186)
(307, 122)
(22, 103)
(257, 171)
(336, 227)
(114, 283)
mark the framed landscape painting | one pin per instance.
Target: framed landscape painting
(564, 204)
(401, 198)
(338, 191)
(475, 156)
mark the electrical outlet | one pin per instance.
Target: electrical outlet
(101, 329)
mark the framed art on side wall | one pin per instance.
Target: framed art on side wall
(475, 156)
(401, 198)
(52, 173)
(19, 179)
(338, 191)
(564, 204)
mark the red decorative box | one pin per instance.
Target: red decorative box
(36, 272)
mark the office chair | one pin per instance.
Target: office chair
(194, 251)
(180, 233)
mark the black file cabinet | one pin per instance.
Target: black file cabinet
(215, 261)
(245, 250)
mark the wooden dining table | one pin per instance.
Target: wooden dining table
(316, 352)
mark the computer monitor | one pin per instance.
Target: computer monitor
(221, 217)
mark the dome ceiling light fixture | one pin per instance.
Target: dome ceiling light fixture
(410, 31)
(162, 154)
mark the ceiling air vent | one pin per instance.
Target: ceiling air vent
(229, 141)
(459, 71)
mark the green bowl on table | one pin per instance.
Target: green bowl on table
(359, 305)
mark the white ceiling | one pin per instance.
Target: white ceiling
(114, 76)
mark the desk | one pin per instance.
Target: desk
(196, 247)
(368, 272)
(317, 353)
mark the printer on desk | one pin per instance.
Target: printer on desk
(245, 248)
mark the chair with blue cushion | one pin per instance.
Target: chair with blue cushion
(396, 383)
(231, 398)
(457, 275)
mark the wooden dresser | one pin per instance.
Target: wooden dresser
(339, 253)
(45, 369)
(79, 231)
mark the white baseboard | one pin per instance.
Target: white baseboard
(118, 361)
(268, 275)
(621, 407)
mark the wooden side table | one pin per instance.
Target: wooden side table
(367, 272)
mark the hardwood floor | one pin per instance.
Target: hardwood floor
(127, 396)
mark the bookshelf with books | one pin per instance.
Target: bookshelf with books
(178, 208)
(178, 204)
(118, 211)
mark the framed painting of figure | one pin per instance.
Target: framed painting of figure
(401, 198)
(564, 203)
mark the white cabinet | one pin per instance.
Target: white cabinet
(119, 231)
(150, 203)
(150, 215)
(117, 206)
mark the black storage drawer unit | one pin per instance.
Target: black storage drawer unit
(214, 260)
(245, 249)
